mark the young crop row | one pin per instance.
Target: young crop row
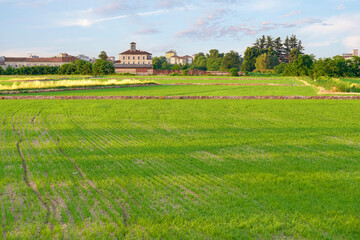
(152, 170)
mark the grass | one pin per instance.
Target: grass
(180, 169)
(163, 90)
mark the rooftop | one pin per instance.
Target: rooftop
(136, 52)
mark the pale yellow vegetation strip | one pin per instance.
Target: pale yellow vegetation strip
(70, 83)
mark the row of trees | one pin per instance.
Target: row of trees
(101, 66)
(267, 52)
(212, 61)
(306, 65)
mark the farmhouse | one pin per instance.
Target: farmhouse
(134, 61)
(18, 62)
(173, 58)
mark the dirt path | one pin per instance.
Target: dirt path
(323, 91)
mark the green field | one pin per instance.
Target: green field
(295, 87)
(212, 169)
(165, 90)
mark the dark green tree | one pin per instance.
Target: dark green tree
(199, 62)
(250, 56)
(103, 56)
(266, 61)
(101, 67)
(231, 59)
(158, 61)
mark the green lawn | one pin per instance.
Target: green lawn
(191, 91)
(251, 169)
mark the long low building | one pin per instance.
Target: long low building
(18, 62)
(140, 69)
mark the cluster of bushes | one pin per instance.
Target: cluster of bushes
(99, 67)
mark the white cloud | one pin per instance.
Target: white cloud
(321, 43)
(86, 22)
(352, 42)
(341, 29)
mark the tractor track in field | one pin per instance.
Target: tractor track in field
(92, 184)
(107, 201)
(32, 186)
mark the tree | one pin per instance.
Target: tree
(101, 67)
(234, 72)
(278, 46)
(231, 60)
(79, 65)
(302, 66)
(250, 56)
(269, 42)
(8, 70)
(2, 72)
(262, 42)
(199, 62)
(266, 61)
(214, 59)
(294, 54)
(67, 68)
(158, 61)
(103, 56)
(176, 67)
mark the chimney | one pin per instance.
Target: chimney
(356, 52)
(133, 47)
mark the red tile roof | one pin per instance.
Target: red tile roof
(136, 52)
(58, 59)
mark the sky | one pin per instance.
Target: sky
(48, 27)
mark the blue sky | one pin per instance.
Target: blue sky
(48, 27)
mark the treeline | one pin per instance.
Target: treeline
(287, 58)
(100, 67)
(307, 65)
(212, 61)
(268, 52)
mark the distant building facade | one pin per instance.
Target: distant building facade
(173, 58)
(134, 61)
(351, 55)
(32, 61)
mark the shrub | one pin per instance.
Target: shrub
(234, 72)
(174, 74)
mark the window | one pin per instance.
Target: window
(128, 58)
(123, 58)
(133, 58)
(138, 58)
(144, 58)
